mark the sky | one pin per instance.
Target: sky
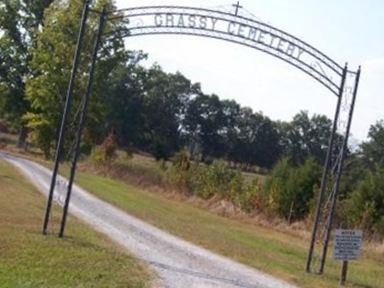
(345, 30)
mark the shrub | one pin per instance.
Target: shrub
(288, 192)
(275, 187)
(250, 197)
(290, 189)
(109, 147)
(365, 207)
(97, 155)
(203, 180)
(178, 174)
(216, 179)
(106, 152)
(41, 134)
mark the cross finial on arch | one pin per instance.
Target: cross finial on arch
(237, 6)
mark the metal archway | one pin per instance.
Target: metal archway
(232, 27)
(179, 20)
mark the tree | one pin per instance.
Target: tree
(231, 115)
(366, 205)
(124, 100)
(223, 129)
(204, 124)
(290, 189)
(165, 100)
(147, 107)
(354, 172)
(52, 62)
(305, 136)
(20, 21)
(373, 149)
(257, 140)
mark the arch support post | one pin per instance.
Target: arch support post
(339, 173)
(324, 179)
(81, 123)
(66, 111)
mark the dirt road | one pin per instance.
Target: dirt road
(177, 263)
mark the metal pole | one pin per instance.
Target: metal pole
(324, 178)
(82, 121)
(338, 176)
(343, 273)
(67, 108)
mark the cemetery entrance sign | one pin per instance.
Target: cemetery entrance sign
(237, 28)
(155, 20)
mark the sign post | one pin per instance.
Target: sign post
(343, 274)
(347, 247)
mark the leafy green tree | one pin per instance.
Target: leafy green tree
(365, 207)
(373, 149)
(306, 136)
(52, 61)
(20, 21)
(257, 140)
(290, 189)
(231, 115)
(204, 123)
(165, 99)
(124, 101)
(354, 172)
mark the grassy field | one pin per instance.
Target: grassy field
(28, 259)
(273, 252)
(266, 249)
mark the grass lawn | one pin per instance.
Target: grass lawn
(270, 251)
(266, 249)
(28, 259)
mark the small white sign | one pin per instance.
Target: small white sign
(347, 244)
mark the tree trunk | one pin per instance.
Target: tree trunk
(22, 141)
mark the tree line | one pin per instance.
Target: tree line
(162, 113)
(147, 108)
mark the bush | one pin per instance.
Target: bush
(106, 152)
(289, 190)
(274, 190)
(215, 179)
(42, 133)
(203, 180)
(97, 156)
(178, 174)
(250, 197)
(365, 207)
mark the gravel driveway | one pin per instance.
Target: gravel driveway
(177, 263)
